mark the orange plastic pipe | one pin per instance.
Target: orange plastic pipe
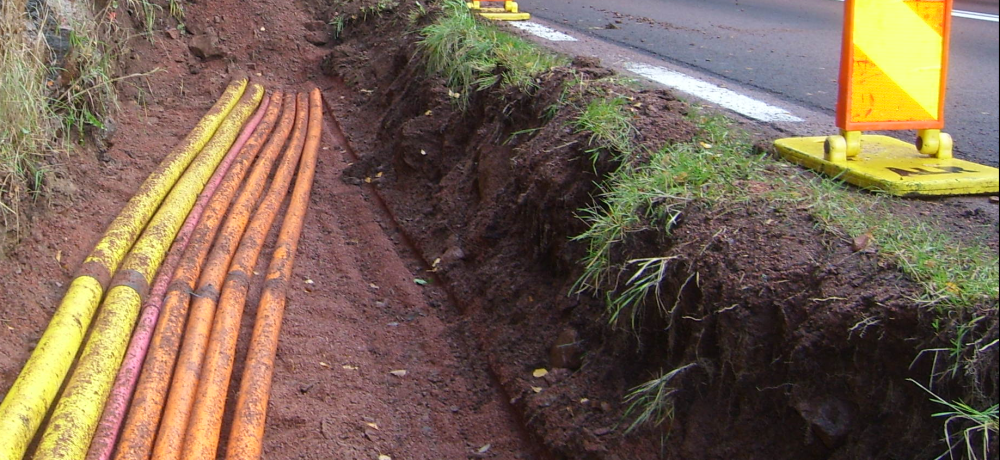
(201, 439)
(147, 404)
(246, 438)
(170, 436)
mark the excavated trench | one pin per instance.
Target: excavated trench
(436, 264)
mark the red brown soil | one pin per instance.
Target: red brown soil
(419, 190)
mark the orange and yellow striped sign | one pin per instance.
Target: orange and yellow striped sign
(893, 64)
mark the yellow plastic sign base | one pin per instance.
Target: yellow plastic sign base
(894, 166)
(509, 11)
(505, 16)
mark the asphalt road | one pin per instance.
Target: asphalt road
(791, 49)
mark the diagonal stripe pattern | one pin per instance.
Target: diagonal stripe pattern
(896, 73)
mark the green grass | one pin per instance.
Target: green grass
(36, 114)
(27, 124)
(147, 11)
(652, 402)
(472, 55)
(609, 123)
(91, 94)
(966, 428)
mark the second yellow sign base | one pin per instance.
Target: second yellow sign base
(894, 166)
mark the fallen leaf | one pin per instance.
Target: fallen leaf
(368, 180)
(399, 373)
(539, 373)
(373, 285)
(484, 449)
(59, 255)
(420, 281)
(322, 364)
(584, 400)
(373, 425)
(536, 389)
(349, 367)
(309, 281)
(384, 457)
(379, 174)
(428, 113)
(861, 242)
(705, 145)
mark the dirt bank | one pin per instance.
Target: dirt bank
(798, 346)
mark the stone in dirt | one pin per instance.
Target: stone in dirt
(566, 352)
(317, 37)
(206, 46)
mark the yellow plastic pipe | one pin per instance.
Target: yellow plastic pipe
(31, 395)
(76, 414)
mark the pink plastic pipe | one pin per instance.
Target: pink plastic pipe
(103, 443)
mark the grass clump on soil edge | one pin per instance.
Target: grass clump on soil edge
(653, 187)
(473, 55)
(58, 69)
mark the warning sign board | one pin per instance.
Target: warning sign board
(893, 64)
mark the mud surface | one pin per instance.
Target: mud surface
(433, 274)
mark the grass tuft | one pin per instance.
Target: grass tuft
(652, 402)
(966, 426)
(610, 126)
(473, 56)
(26, 121)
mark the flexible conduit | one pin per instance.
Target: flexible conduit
(150, 394)
(170, 437)
(75, 417)
(246, 437)
(201, 438)
(31, 395)
(114, 410)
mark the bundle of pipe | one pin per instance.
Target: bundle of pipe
(145, 412)
(246, 436)
(192, 419)
(74, 420)
(35, 389)
(238, 158)
(192, 365)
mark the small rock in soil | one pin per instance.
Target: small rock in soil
(995, 199)
(173, 34)
(318, 37)
(314, 26)
(205, 46)
(566, 352)
(453, 253)
(829, 417)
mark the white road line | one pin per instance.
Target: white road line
(971, 15)
(721, 96)
(539, 30)
(975, 15)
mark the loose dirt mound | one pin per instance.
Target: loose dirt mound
(799, 347)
